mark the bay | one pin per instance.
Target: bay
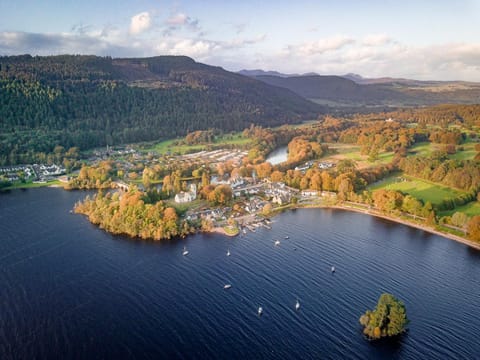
(70, 290)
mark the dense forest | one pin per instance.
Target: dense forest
(90, 101)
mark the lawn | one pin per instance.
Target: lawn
(421, 189)
(172, 146)
(470, 209)
(30, 185)
(426, 149)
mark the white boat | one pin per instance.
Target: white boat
(185, 251)
(277, 242)
(297, 305)
(227, 286)
(260, 311)
(228, 252)
(333, 269)
(287, 237)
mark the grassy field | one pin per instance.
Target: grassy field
(30, 185)
(470, 209)
(421, 189)
(352, 152)
(426, 149)
(172, 146)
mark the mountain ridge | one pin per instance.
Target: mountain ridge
(355, 90)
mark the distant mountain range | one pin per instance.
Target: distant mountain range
(353, 90)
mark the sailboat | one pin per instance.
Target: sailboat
(333, 269)
(228, 252)
(185, 251)
(277, 242)
(260, 311)
(297, 305)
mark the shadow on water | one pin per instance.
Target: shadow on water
(473, 253)
(388, 348)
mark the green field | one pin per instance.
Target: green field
(174, 146)
(420, 189)
(426, 149)
(29, 185)
(470, 209)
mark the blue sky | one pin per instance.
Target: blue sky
(438, 40)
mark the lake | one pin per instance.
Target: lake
(71, 291)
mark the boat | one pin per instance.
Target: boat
(260, 311)
(287, 237)
(185, 251)
(333, 269)
(228, 252)
(277, 242)
(297, 305)
(227, 286)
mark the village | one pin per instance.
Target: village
(253, 199)
(37, 173)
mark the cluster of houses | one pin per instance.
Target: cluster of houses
(38, 172)
(321, 165)
(280, 193)
(11, 173)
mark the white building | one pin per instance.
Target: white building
(184, 197)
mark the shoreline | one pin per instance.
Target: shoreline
(459, 239)
(425, 228)
(221, 230)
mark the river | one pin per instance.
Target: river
(71, 291)
(278, 156)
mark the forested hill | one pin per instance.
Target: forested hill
(90, 101)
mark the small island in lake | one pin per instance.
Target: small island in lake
(388, 319)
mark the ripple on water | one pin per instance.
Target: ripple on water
(70, 290)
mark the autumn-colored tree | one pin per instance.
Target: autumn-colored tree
(459, 219)
(276, 176)
(388, 319)
(473, 228)
(412, 205)
(387, 200)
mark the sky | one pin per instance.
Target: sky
(422, 39)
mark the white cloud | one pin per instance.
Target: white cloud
(376, 40)
(195, 48)
(322, 46)
(140, 23)
(178, 19)
(371, 56)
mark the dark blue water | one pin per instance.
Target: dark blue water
(71, 291)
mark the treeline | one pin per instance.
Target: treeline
(443, 115)
(459, 174)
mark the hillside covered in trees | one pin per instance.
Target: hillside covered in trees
(90, 101)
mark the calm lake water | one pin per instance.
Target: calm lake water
(71, 291)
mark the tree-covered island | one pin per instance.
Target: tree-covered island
(388, 319)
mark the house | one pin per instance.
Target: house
(308, 193)
(280, 199)
(184, 197)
